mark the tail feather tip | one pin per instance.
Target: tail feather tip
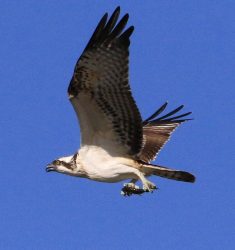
(188, 177)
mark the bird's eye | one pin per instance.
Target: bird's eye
(56, 162)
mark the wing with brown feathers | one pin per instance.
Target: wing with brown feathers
(157, 131)
(100, 93)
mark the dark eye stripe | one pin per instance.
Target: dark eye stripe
(67, 165)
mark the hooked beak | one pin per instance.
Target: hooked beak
(50, 167)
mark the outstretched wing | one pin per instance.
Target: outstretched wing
(100, 93)
(157, 131)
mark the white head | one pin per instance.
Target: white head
(66, 165)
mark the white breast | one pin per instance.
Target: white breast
(101, 166)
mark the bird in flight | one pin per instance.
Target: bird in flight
(116, 144)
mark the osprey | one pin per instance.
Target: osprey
(116, 144)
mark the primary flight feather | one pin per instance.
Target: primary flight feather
(116, 144)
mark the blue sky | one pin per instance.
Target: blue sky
(181, 51)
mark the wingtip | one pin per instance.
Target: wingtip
(118, 9)
(180, 107)
(105, 16)
(165, 104)
(126, 16)
(131, 29)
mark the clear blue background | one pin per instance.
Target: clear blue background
(181, 51)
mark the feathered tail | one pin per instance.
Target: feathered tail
(173, 174)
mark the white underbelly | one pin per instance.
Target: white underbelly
(100, 166)
(113, 174)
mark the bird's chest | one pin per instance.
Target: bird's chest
(100, 166)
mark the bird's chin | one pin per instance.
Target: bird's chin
(50, 168)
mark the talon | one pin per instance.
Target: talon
(149, 187)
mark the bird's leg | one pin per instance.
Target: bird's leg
(131, 188)
(148, 186)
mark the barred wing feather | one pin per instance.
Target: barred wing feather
(100, 93)
(157, 131)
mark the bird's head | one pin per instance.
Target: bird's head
(65, 165)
